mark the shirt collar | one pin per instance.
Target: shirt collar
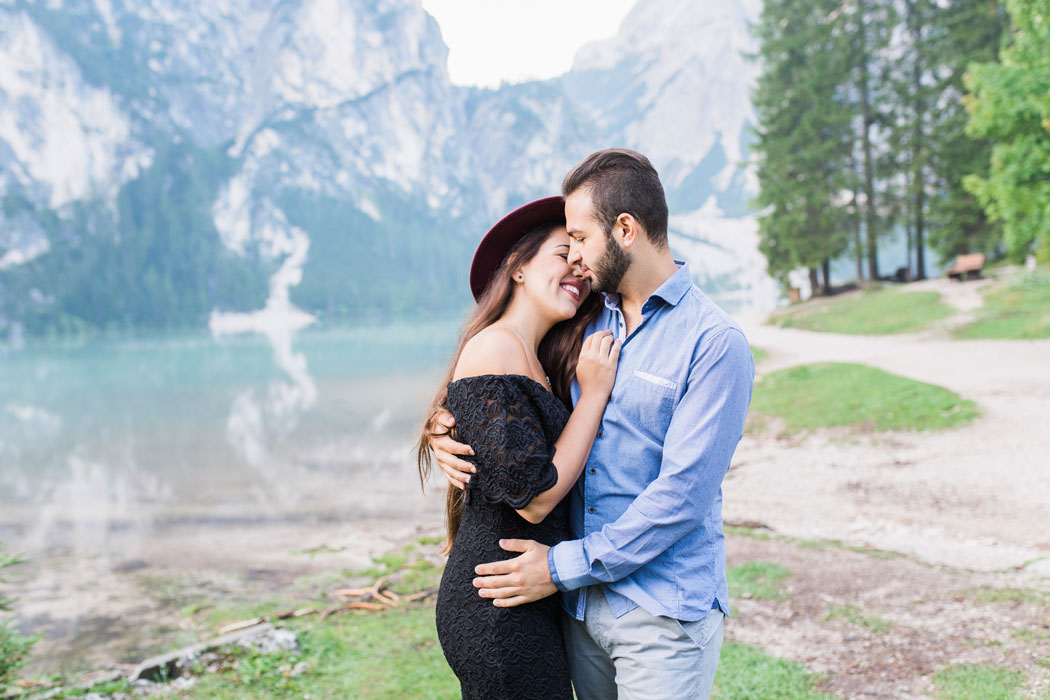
(671, 291)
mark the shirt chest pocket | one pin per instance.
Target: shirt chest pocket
(648, 401)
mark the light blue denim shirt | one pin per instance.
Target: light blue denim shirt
(647, 511)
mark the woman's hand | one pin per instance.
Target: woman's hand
(596, 370)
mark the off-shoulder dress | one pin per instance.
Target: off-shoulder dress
(517, 653)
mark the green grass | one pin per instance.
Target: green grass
(387, 655)
(856, 616)
(988, 594)
(758, 579)
(973, 682)
(760, 534)
(1029, 635)
(879, 312)
(746, 673)
(841, 394)
(394, 653)
(1014, 310)
(758, 354)
(384, 655)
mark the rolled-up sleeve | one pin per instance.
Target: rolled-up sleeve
(703, 433)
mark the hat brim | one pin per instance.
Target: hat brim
(501, 238)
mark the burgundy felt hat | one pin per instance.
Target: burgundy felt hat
(507, 231)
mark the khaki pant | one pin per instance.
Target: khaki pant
(641, 657)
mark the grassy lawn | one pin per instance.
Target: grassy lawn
(758, 354)
(878, 312)
(757, 579)
(1017, 309)
(974, 682)
(393, 653)
(1017, 596)
(841, 394)
(745, 673)
(386, 655)
(854, 615)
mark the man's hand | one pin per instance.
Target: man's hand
(456, 470)
(522, 579)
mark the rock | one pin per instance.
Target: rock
(273, 641)
(290, 671)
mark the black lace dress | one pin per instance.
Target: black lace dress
(512, 422)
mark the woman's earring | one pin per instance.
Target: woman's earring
(519, 277)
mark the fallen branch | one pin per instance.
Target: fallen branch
(373, 598)
(425, 593)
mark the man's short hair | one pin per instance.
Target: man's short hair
(622, 181)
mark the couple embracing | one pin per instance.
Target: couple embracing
(590, 414)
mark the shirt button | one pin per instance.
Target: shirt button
(591, 509)
(592, 470)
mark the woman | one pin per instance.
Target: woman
(533, 309)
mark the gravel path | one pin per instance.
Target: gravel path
(977, 497)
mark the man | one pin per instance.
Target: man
(644, 583)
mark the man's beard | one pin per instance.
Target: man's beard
(610, 268)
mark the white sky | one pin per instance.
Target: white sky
(490, 41)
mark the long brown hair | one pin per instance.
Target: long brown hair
(559, 352)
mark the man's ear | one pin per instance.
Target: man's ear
(628, 229)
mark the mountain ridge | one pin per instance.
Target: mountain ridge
(252, 120)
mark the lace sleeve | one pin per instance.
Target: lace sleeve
(511, 451)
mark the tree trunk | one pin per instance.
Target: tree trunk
(918, 155)
(814, 283)
(907, 248)
(869, 168)
(858, 247)
(826, 271)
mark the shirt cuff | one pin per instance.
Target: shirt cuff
(568, 565)
(554, 569)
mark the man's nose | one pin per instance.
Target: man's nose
(574, 258)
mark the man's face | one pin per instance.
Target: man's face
(601, 258)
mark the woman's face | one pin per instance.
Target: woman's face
(556, 288)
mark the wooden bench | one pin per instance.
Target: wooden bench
(966, 267)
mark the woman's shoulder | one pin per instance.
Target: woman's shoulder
(493, 351)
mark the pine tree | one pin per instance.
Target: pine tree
(803, 144)
(1010, 103)
(963, 32)
(869, 24)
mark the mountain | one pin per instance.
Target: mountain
(161, 160)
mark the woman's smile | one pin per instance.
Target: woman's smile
(573, 288)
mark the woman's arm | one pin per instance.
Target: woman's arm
(573, 447)
(595, 372)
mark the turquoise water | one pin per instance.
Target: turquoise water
(132, 434)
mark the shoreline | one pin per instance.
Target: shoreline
(94, 611)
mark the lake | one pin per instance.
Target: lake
(132, 466)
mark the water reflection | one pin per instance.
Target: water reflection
(126, 459)
(257, 418)
(203, 460)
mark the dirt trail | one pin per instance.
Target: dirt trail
(976, 497)
(875, 627)
(970, 509)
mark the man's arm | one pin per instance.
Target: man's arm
(698, 448)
